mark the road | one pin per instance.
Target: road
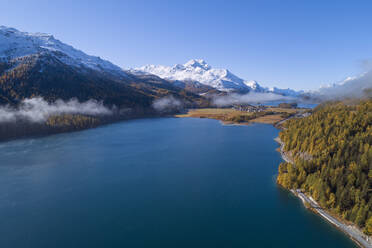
(354, 233)
(284, 155)
(360, 238)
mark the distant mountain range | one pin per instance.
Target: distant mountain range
(199, 71)
(38, 65)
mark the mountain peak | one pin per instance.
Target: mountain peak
(252, 83)
(198, 63)
(197, 70)
(15, 44)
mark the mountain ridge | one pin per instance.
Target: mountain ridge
(198, 70)
(16, 44)
(38, 65)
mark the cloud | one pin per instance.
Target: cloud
(167, 103)
(352, 87)
(38, 110)
(251, 97)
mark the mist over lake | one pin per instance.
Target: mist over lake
(164, 182)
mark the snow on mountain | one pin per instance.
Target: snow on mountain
(197, 70)
(255, 86)
(285, 92)
(15, 44)
(350, 87)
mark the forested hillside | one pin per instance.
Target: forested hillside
(45, 76)
(332, 150)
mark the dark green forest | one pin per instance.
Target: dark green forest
(332, 150)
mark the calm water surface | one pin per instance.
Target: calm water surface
(153, 183)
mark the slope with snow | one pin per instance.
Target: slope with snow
(16, 44)
(197, 70)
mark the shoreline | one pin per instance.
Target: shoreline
(351, 231)
(282, 152)
(272, 115)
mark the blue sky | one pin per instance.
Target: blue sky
(296, 44)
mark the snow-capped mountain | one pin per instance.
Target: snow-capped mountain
(197, 70)
(50, 55)
(358, 86)
(17, 44)
(255, 86)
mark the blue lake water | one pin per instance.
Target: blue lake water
(153, 183)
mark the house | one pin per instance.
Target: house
(249, 108)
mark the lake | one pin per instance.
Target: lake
(163, 182)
